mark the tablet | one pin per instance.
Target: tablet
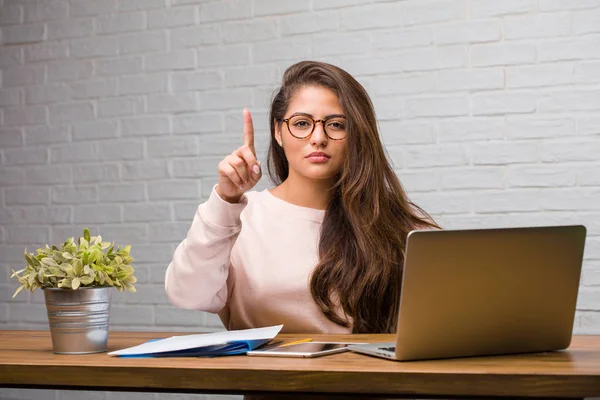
(307, 350)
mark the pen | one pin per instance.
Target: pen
(296, 342)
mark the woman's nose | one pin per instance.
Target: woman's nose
(319, 136)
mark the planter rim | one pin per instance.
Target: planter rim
(79, 288)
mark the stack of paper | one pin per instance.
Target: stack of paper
(202, 345)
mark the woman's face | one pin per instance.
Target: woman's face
(316, 157)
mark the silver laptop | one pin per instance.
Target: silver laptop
(486, 292)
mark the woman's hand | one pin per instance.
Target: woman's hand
(239, 171)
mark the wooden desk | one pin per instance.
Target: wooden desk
(27, 361)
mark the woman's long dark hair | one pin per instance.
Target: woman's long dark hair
(361, 249)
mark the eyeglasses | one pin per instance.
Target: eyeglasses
(301, 126)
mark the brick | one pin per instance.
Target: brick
(172, 17)
(97, 214)
(71, 112)
(25, 33)
(429, 11)
(198, 123)
(195, 36)
(472, 178)
(11, 14)
(146, 212)
(359, 43)
(69, 70)
(299, 24)
(12, 176)
(46, 11)
(36, 215)
(225, 99)
(587, 72)
(122, 315)
(11, 97)
(486, 55)
(251, 76)
(30, 313)
(197, 80)
(488, 8)
(141, 5)
(46, 135)
(326, 4)
(95, 130)
(436, 106)
(142, 84)
(444, 203)
(499, 153)
(11, 56)
(94, 47)
(92, 7)
(119, 66)
(541, 176)
(94, 88)
(412, 37)
(173, 190)
(537, 25)
(153, 253)
(122, 192)
(435, 58)
(119, 23)
(561, 151)
(419, 181)
(370, 17)
(570, 101)
(76, 195)
(46, 51)
(562, 50)
(172, 147)
(286, 49)
(214, 11)
(506, 201)
(588, 126)
(10, 137)
(275, 7)
(559, 5)
(435, 156)
(590, 273)
(27, 196)
(170, 232)
(498, 103)
(145, 126)
(572, 199)
(145, 294)
(47, 94)
(196, 168)
(586, 21)
(143, 43)
(145, 170)
(93, 173)
(127, 150)
(589, 176)
(38, 235)
(25, 75)
(172, 103)
(172, 61)
(33, 115)
(185, 211)
(540, 75)
(48, 175)
(74, 152)
(172, 316)
(250, 31)
(400, 132)
(231, 55)
(531, 128)
(468, 32)
(389, 108)
(471, 79)
(120, 106)
(71, 28)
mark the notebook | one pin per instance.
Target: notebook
(202, 345)
(485, 292)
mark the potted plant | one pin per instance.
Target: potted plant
(77, 279)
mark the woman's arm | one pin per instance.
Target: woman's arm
(197, 275)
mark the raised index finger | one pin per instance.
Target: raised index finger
(248, 130)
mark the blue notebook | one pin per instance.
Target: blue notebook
(202, 345)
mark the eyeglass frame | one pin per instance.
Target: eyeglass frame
(322, 121)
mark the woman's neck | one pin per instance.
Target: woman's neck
(304, 192)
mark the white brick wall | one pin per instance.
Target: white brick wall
(114, 114)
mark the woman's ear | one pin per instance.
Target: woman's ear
(278, 134)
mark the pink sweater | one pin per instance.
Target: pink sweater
(251, 262)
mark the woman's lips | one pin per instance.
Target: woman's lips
(318, 157)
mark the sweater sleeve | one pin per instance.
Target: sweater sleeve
(197, 276)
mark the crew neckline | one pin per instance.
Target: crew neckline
(291, 210)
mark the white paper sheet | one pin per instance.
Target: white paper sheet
(199, 340)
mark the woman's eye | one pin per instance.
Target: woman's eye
(337, 125)
(302, 124)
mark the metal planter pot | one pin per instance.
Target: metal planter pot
(78, 319)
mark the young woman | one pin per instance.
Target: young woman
(323, 250)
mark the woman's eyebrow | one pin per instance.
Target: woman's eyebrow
(310, 115)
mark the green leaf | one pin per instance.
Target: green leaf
(86, 234)
(18, 290)
(67, 255)
(75, 283)
(49, 262)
